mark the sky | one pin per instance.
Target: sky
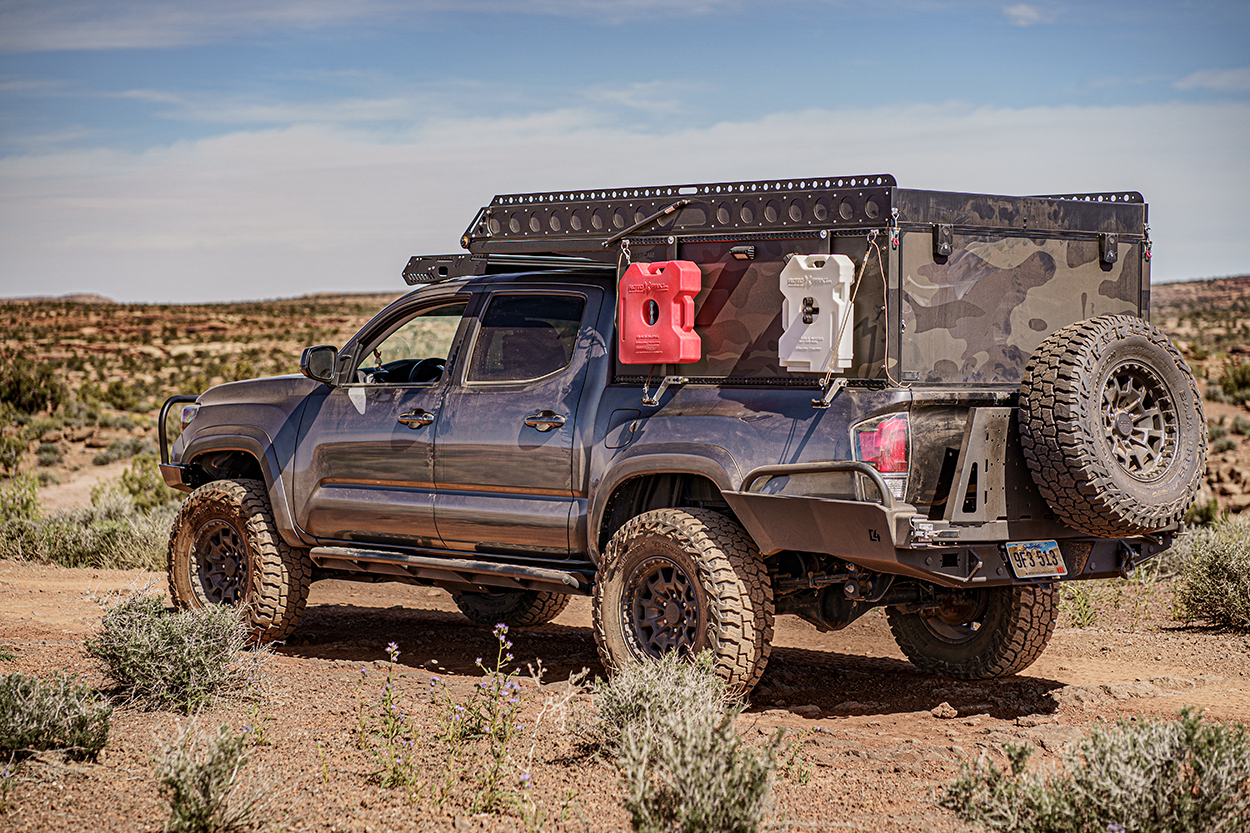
(217, 150)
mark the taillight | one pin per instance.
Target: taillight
(882, 443)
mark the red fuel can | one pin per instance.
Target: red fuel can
(656, 313)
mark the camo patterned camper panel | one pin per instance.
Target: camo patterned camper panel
(738, 312)
(975, 316)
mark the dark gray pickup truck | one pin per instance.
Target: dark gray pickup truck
(706, 405)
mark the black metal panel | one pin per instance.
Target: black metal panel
(1067, 215)
(582, 220)
(425, 269)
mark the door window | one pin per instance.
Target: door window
(414, 350)
(525, 337)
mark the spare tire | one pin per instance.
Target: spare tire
(1112, 427)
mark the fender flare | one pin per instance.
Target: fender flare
(256, 443)
(710, 461)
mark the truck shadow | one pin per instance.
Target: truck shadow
(810, 684)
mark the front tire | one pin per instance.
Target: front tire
(685, 580)
(225, 549)
(515, 608)
(979, 634)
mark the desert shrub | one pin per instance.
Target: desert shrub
(242, 369)
(11, 450)
(36, 426)
(199, 775)
(123, 449)
(19, 500)
(1202, 514)
(31, 387)
(172, 659)
(121, 396)
(683, 765)
(49, 454)
(53, 713)
(122, 421)
(1218, 431)
(1224, 444)
(1235, 382)
(1215, 586)
(649, 692)
(1241, 425)
(143, 483)
(1168, 776)
(109, 534)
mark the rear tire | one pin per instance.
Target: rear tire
(515, 608)
(979, 634)
(685, 580)
(1112, 427)
(224, 548)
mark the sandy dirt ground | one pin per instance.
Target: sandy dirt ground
(872, 751)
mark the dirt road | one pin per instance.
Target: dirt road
(872, 751)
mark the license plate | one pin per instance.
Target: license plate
(1036, 559)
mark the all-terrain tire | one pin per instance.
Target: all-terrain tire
(1112, 427)
(515, 608)
(688, 580)
(224, 548)
(1008, 630)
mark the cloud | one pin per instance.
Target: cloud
(249, 110)
(1222, 80)
(1023, 14)
(50, 25)
(280, 212)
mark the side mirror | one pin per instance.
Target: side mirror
(318, 362)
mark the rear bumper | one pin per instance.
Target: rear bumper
(900, 541)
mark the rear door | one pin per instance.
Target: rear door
(505, 429)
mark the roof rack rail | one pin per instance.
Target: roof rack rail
(1103, 196)
(426, 269)
(581, 221)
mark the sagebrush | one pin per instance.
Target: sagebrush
(683, 765)
(56, 712)
(173, 659)
(1144, 776)
(200, 776)
(125, 527)
(1215, 585)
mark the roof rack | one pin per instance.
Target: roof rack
(426, 269)
(588, 221)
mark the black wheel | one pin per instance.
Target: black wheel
(225, 549)
(979, 634)
(515, 608)
(684, 580)
(1112, 427)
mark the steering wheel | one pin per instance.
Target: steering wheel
(426, 370)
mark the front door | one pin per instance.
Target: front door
(505, 431)
(365, 457)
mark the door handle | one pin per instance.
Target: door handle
(416, 418)
(545, 420)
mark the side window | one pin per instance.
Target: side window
(525, 337)
(414, 351)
